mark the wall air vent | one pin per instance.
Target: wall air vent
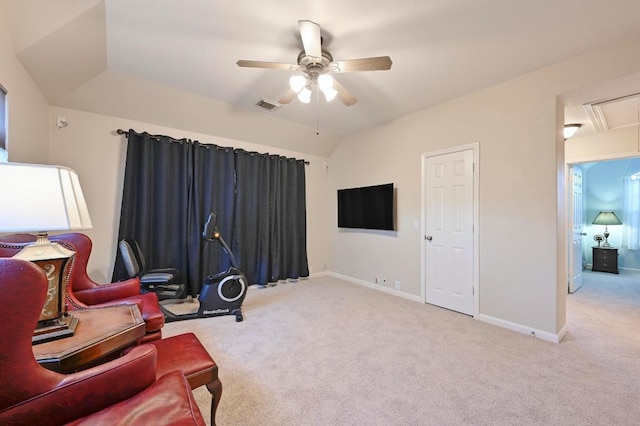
(268, 105)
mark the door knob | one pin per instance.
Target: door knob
(428, 238)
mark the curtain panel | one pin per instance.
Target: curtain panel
(171, 186)
(270, 217)
(631, 213)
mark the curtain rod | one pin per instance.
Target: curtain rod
(126, 133)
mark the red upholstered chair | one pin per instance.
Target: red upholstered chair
(83, 292)
(184, 352)
(123, 391)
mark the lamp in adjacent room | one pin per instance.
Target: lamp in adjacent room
(606, 218)
(39, 199)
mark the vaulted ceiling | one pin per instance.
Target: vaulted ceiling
(440, 49)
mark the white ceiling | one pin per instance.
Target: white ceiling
(440, 49)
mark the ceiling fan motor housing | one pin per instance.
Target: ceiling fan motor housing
(311, 67)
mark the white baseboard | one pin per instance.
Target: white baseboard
(533, 332)
(377, 287)
(540, 334)
(319, 274)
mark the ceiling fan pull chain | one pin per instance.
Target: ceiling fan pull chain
(317, 111)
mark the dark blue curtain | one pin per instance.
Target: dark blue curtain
(251, 218)
(171, 186)
(213, 190)
(270, 217)
(155, 201)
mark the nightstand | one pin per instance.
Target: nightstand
(605, 259)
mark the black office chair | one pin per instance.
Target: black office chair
(159, 281)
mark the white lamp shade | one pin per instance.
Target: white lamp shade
(329, 93)
(305, 95)
(297, 83)
(325, 81)
(38, 198)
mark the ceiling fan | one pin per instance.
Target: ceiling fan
(317, 65)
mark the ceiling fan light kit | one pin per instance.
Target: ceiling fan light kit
(304, 95)
(325, 82)
(297, 83)
(315, 64)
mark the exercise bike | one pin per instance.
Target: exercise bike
(221, 294)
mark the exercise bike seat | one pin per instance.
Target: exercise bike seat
(159, 281)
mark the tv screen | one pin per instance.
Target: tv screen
(369, 207)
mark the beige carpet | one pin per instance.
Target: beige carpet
(326, 352)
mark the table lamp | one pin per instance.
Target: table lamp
(39, 199)
(606, 219)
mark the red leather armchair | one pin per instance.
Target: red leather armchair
(123, 391)
(83, 292)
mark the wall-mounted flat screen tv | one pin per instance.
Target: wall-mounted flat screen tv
(369, 207)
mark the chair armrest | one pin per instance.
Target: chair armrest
(80, 394)
(120, 302)
(105, 292)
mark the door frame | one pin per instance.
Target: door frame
(475, 147)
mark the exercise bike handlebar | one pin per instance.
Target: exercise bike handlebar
(211, 233)
(210, 227)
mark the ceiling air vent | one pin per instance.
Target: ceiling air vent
(268, 105)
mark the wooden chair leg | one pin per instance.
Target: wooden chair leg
(215, 388)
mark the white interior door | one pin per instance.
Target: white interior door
(575, 227)
(449, 241)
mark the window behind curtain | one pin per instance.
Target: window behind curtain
(3, 124)
(631, 214)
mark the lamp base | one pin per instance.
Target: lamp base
(58, 328)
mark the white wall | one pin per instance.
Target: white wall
(90, 146)
(517, 201)
(522, 246)
(517, 124)
(28, 135)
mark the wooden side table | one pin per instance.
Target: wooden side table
(605, 259)
(100, 332)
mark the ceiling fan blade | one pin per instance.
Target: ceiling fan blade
(378, 63)
(343, 94)
(270, 65)
(287, 97)
(310, 34)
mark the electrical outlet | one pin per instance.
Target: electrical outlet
(397, 285)
(377, 280)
